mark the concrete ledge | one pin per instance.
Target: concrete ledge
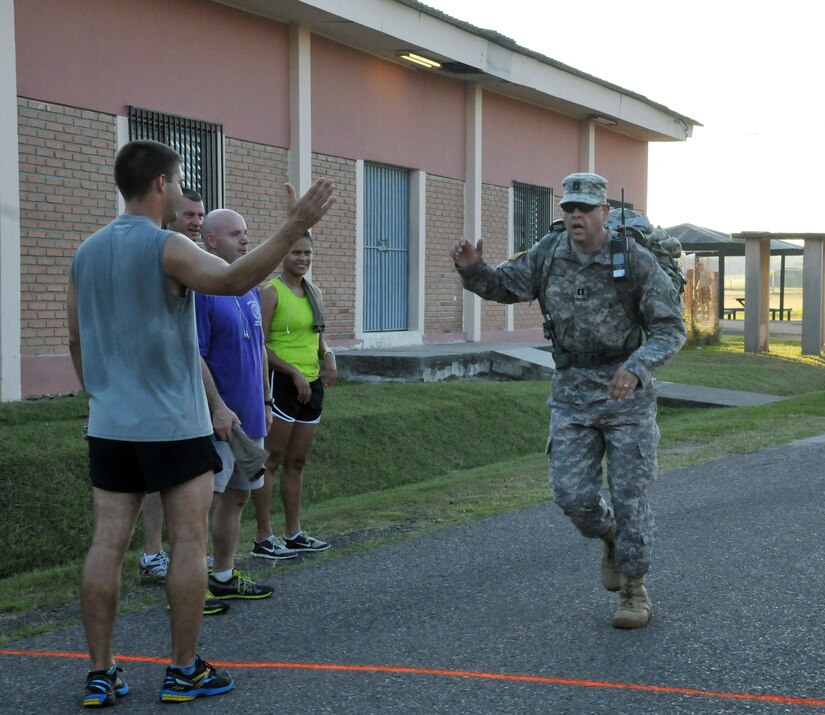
(677, 395)
(433, 365)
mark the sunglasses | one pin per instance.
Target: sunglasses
(569, 208)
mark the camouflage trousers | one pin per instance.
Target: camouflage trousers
(627, 434)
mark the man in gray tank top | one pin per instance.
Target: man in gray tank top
(134, 346)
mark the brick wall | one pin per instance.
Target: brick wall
(494, 220)
(254, 185)
(67, 192)
(255, 176)
(445, 225)
(333, 262)
(527, 316)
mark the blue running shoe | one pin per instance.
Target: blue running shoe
(205, 681)
(104, 687)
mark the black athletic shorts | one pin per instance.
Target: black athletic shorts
(287, 407)
(117, 466)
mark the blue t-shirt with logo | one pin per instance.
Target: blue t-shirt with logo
(230, 338)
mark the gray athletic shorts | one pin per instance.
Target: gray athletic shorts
(224, 478)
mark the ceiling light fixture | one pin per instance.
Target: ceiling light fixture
(601, 119)
(419, 60)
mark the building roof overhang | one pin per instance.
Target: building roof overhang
(388, 28)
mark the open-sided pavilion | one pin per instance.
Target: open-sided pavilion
(757, 269)
(706, 241)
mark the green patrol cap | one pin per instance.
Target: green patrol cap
(584, 189)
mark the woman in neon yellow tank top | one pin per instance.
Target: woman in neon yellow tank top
(295, 347)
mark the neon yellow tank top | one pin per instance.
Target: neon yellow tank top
(290, 334)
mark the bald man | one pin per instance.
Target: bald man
(234, 368)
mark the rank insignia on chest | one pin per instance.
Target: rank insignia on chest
(581, 293)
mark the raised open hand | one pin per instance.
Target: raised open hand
(312, 206)
(465, 254)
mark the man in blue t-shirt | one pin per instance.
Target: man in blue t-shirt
(231, 341)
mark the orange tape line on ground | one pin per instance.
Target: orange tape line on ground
(453, 674)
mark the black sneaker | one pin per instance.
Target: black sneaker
(304, 542)
(239, 586)
(272, 548)
(104, 687)
(205, 681)
(212, 606)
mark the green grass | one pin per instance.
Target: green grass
(390, 461)
(374, 437)
(784, 371)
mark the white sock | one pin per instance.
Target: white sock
(223, 576)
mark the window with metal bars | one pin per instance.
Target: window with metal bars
(532, 214)
(199, 143)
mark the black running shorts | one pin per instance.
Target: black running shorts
(117, 466)
(287, 407)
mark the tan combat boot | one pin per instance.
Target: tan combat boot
(635, 609)
(610, 574)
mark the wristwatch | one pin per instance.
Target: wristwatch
(270, 402)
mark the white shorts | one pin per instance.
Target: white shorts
(224, 478)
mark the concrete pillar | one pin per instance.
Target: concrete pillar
(587, 147)
(300, 109)
(472, 202)
(359, 248)
(10, 380)
(813, 315)
(511, 249)
(757, 272)
(418, 242)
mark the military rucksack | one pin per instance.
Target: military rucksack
(665, 249)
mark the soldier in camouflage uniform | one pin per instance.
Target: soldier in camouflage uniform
(602, 399)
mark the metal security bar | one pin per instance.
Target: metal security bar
(199, 143)
(532, 214)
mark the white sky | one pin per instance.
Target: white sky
(751, 73)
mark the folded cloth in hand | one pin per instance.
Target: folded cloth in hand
(249, 457)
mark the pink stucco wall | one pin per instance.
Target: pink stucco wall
(192, 58)
(623, 162)
(525, 143)
(367, 108)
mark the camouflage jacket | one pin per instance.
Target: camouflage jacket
(587, 312)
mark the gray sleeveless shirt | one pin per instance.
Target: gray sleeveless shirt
(139, 343)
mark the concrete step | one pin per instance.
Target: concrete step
(432, 363)
(678, 395)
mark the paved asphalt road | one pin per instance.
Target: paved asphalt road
(738, 611)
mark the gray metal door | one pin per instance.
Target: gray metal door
(386, 248)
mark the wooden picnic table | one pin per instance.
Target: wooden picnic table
(731, 313)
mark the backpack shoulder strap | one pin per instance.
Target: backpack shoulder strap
(545, 250)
